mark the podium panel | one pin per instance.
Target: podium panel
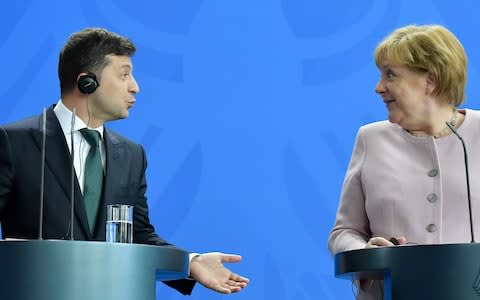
(440, 272)
(80, 270)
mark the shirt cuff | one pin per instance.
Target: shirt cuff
(190, 257)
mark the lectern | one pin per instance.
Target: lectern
(79, 270)
(440, 272)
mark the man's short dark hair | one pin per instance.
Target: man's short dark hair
(86, 51)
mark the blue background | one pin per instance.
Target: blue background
(248, 111)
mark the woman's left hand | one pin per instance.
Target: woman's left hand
(379, 241)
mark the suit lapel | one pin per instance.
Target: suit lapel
(114, 150)
(57, 159)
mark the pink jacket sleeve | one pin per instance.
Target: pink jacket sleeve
(351, 230)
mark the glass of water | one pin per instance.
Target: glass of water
(119, 228)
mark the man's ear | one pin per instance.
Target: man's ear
(87, 83)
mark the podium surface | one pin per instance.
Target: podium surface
(440, 272)
(55, 269)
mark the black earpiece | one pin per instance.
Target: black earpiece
(87, 83)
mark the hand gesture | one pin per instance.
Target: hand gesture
(208, 269)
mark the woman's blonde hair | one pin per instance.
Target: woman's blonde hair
(432, 49)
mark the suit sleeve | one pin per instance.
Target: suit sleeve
(6, 171)
(145, 232)
(352, 229)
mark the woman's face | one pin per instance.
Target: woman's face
(405, 93)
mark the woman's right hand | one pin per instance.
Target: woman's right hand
(378, 241)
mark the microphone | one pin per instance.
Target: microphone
(468, 180)
(42, 175)
(72, 175)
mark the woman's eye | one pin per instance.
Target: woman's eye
(390, 74)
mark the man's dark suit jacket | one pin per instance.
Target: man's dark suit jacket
(20, 169)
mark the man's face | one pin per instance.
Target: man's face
(116, 93)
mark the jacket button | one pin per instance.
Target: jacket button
(432, 198)
(431, 227)
(433, 173)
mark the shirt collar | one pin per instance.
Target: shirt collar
(64, 116)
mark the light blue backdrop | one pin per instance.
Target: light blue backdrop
(248, 112)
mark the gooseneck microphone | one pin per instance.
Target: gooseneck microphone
(42, 175)
(72, 175)
(452, 128)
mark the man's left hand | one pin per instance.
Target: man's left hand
(208, 269)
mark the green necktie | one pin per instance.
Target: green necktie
(93, 176)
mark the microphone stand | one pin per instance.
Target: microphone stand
(42, 175)
(468, 180)
(72, 176)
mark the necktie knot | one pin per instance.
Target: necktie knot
(92, 136)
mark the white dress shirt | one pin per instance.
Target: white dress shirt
(80, 144)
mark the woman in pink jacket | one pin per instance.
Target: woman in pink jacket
(406, 178)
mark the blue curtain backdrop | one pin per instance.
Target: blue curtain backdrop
(248, 112)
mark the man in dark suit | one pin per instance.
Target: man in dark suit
(96, 79)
